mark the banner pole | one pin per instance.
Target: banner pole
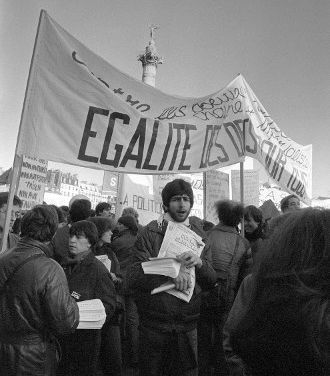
(204, 196)
(18, 159)
(120, 189)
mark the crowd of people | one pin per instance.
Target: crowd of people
(260, 301)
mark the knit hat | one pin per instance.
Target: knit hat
(129, 222)
(177, 187)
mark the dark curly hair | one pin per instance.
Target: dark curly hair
(40, 223)
(86, 228)
(230, 213)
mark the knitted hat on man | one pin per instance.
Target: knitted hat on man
(129, 222)
(177, 187)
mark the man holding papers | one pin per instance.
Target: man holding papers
(168, 322)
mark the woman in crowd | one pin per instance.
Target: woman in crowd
(35, 303)
(111, 350)
(88, 279)
(229, 255)
(254, 229)
(280, 321)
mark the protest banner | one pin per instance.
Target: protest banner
(216, 188)
(251, 186)
(99, 117)
(32, 182)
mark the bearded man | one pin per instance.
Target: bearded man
(168, 334)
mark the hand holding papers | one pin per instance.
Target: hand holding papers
(186, 246)
(91, 314)
(167, 266)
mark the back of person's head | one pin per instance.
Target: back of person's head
(40, 223)
(130, 211)
(4, 199)
(101, 206)
(177, 187)
(87, 229)
(300, 248)
(103, 224)
(60, 214)
(286, 202)
(230, 213)
(129, 222)
(80, 210)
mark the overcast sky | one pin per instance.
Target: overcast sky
(281, 48)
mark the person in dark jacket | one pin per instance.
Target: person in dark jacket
(111, 349)
(168, 334)
(255, 229)
(280, 321)
(88, 279)
(123, 240)
(230, 253)
(35, 303)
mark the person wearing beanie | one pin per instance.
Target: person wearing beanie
(168, 325)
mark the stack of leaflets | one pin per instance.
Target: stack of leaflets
(91, 314)
(167, 266)
(105, 261)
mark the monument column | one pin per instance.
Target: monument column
(150, 60)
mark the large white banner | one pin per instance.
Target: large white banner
(83, 111)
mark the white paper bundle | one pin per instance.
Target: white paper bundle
(167, 266)
(105, 261)
(91, 314)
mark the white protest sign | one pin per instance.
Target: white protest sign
(32, 182)
(251, 187)
(217, 188)
(98, 117)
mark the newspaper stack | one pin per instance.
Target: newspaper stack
(91, 314)
(167, 266)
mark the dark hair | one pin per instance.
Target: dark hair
(102, 206)
(80, 210)
(207, 225)
(103, 224)
(130, 222)
(40, 223)
(230, 213)
(177, 187)
(130, 211)
(86, 228)
(4, 199)
(253, 212)
(60, 214)
(285, 201)
(292, 278)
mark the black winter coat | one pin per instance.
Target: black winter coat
(87, 280)
(163, 311)
(35, 308)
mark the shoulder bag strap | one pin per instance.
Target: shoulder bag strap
(18, 267)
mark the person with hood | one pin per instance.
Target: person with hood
(168, 325)
(35, 304)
